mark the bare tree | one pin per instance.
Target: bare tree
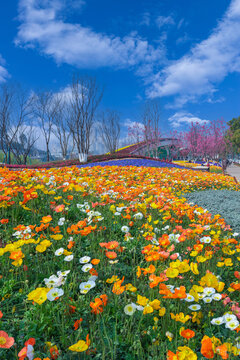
(150, 119)
(109, 128)
(24, 142)
(85, 98)
(61, 127)
(15, 110)
(46, 108)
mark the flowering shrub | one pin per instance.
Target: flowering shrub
(112, 262)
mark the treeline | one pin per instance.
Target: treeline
(69, 115)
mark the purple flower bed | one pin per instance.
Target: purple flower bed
(133, 162)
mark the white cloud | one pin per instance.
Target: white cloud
(42, 26)
(184, 118)
(128, 123)
(207, 64)
(164, 20)
(3, 72)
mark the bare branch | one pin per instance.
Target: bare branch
(109, 129)
(84, 100)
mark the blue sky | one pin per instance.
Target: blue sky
(184, 53)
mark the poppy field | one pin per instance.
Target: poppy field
(112, 262)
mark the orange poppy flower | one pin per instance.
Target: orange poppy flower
(138, 272)
(111, 254)
(46, 219)
(95, 261)
(87, 230)
(117, 288)
(97, 306)
(171, 355)
(15, 255)
(81, 224)
(5, 341)
(59, 208)
(207, 348)
(150, 270)
(104, 299)
(111, 245)
(93, 272)
(54, 352)
(222, 351)
(237, 274)
(70, 244)
(187, 333)
(164, 240)
(77, 323)
(4, 221)
(55, 230)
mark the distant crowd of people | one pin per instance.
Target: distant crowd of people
(224, 163)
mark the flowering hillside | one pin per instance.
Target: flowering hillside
(114, 263)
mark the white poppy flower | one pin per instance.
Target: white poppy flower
(166, 227)
(54, 293)
(52, 281)
(217, 297)
(63, 273)
(189, 298)
(232, 325)
(217, 321)
(207, 300)
(125, 229)
(87, 285)
(59, 251)
(86, 267)
(209, 291)
(195, 307)
(84, 291)
(68, 258)
(138, 216)
(130, 309)
(84, 260)
(229, 317)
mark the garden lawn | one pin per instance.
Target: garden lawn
(113, 263)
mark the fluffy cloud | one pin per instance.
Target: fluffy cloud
(207, 64)
(183, 118)
(128, 123)
(42, 26)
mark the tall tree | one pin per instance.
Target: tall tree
(61, 127)
(46, 108)
(233, 134)
(85, 98)
(15, 110)
(151, 120)
(109, 128)
(25, 140)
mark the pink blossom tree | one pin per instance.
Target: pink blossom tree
(206, 141)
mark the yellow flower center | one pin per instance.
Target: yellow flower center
(2, 340)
